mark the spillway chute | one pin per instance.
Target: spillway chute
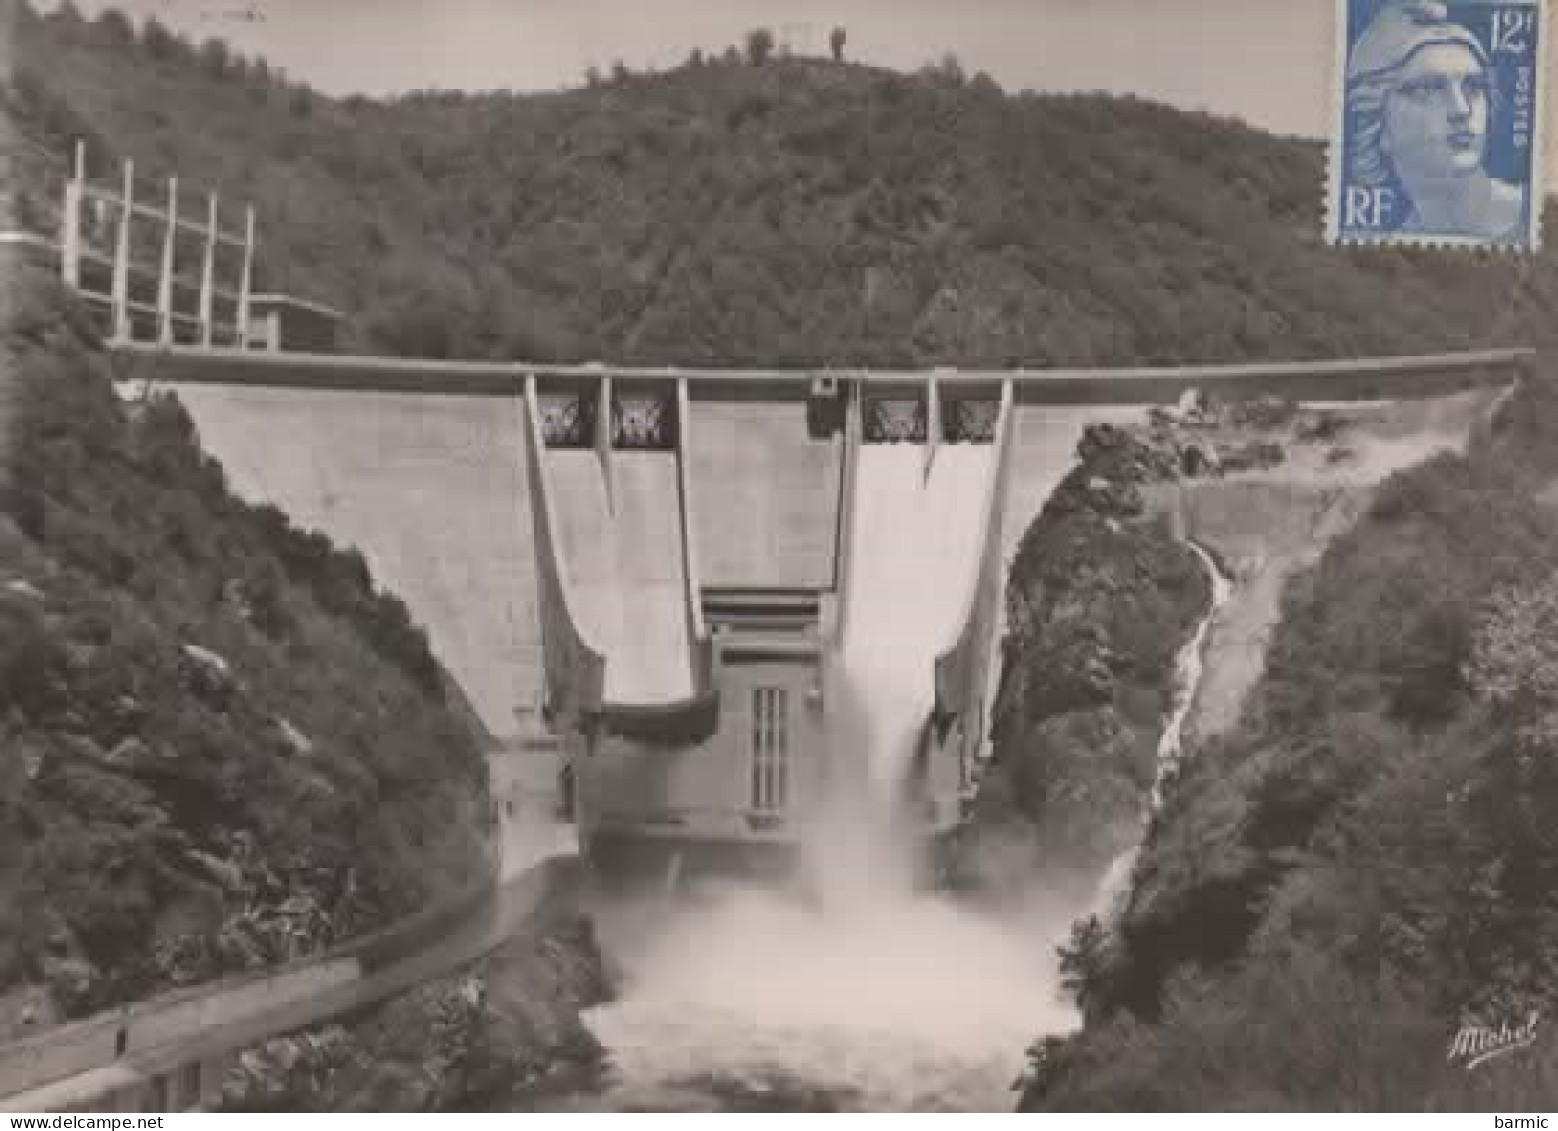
(625, 644)
(919, 591)
(964, 669)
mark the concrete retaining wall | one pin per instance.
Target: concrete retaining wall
(95, 1041)
(70, 1067)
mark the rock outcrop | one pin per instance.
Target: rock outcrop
(1098, 603)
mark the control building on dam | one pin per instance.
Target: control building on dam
(663, 569)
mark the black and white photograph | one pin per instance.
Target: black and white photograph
(734, 557)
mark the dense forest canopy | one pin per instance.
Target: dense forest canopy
(753, 208)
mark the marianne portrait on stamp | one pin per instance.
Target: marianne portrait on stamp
(1422, 105)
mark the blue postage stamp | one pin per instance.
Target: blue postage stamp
(1437, 132)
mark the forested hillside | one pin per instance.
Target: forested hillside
(221, 746)
(1367, 861)
(787, 211)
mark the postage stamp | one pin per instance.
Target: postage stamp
(1437, 123)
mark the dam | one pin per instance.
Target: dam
(697, 587)
(701, 591)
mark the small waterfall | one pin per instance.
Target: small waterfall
(1188, 668)
(1190, 664)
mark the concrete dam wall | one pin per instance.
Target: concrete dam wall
(767, 491)
(657, 566)
(430, 489)
(434, 490)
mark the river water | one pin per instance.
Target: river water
(906, 1001)
(756, 1002)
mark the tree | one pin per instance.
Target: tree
(1085, 961)
(760, 46)
(836, 43)
(213, 58)
(1514, 662)
(982, 83)
(113, 28)
(67, 15)
(157, 39)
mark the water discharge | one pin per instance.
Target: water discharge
(915, 548)
(870, 995)
(755, 1002)
(873, 995)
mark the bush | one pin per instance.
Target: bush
(31, 660)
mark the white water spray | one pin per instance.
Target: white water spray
(899, 1000)
(915, 548)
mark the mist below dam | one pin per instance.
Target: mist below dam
(866, 991)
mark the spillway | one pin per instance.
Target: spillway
(622, 553)
(876, 996)
(914, 552)
(915, 548)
